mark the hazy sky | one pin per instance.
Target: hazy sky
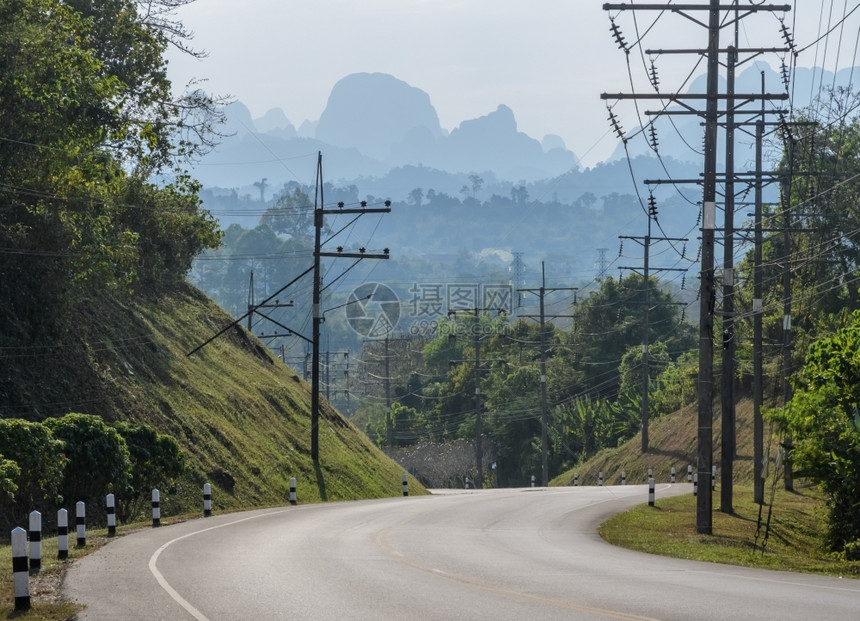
(548, 60)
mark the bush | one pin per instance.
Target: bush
(98, 458)
(33, 468)
(156, 462)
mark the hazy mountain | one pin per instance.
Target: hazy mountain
(373, 111)
(373, 123)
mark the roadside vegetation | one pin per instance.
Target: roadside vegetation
(786, 534)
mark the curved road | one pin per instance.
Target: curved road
(527, 554)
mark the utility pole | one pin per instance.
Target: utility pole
(646, 277)
(707, 298)
(476, 343)
(319, 217)
(758, 310)
(544, 414)
(727, 392)
(786, 304)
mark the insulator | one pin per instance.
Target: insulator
(619, 38)
(684, 250)
(616, 126)
(786, 77)
(683, 314)
(652, 131)
(786, 36)
(683, 282)
(652, 206)
(698, 255)
(620, 249)
(655, 80)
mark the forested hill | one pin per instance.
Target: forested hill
(240, 415)
(96, 316)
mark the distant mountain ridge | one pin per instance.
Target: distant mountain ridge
(372, 123)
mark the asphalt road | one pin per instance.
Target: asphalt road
(527, 554)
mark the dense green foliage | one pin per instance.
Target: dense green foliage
(80, 457)
(593, 381)
(156, 462)
(40, 462)
(98, 458)
(86, 120)
(824, 418)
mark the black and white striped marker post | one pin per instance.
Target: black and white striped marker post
(695, 483)
(672, 474)
(156, 508)
(62, 534)
(533, 480)
(207, 500)
(650, 473)
(81, 522)
(650, 491)
(689, 473)
(713, 477)
(35, 536)
(293, 497)
(600, 478)
(21, 576)
(623, 478)
(405, 485)
(575, 479)
(110, 510)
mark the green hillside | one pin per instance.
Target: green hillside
(673, 440)
(241, 416)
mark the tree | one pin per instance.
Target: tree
(824, 419)
(416, 196)
(610, 319)
(169, 226)
(292, 215)
(40, 462)
(520, 195)
(86, 105)
(98, 458)
(156, 462)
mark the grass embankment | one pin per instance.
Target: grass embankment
(792, 543)
(240, 415)
(797, 519)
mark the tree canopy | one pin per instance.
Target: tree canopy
(88, 127)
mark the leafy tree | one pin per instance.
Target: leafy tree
(156, 462)
(9, 473)
(98, 458)
(40, 462)
(416, 196)
(86, 103)
(824, 419)
(676, 385)
(610, 320)
(169, 226)
(292, 215)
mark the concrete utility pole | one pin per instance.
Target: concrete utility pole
(254, 308)
(319, 217)
(646, 278)
(707, 299)
(544, 414)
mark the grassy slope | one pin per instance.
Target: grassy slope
(241, 416)
(673, 440)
